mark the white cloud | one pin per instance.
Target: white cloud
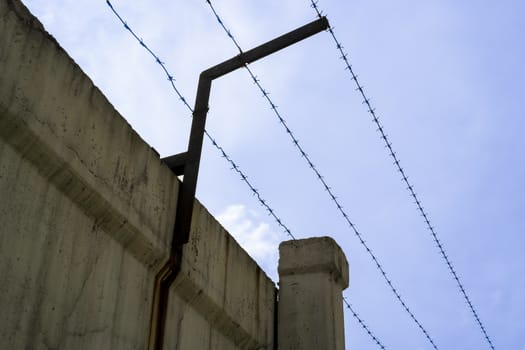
(254, 235)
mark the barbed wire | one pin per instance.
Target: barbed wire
(234, 165)
(363, 324)
(252, 188)
(404, 177)
(321, 178)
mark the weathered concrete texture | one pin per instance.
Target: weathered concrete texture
(54, 116)
(86, 217)
(64, 283)
(312, 275)
(86, 208)
(221, 283)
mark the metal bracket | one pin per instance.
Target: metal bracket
(187, 163)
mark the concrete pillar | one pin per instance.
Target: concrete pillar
(312, 275)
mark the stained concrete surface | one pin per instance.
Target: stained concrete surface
(86, 216)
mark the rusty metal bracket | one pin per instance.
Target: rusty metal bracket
(187, 165)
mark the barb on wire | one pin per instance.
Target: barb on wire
(234, 166)
(363, 324)
(404, 177)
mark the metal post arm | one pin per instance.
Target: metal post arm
(187, 163)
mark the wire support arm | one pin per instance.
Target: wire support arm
(193, 155)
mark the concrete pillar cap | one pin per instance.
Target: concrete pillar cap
(312, 255)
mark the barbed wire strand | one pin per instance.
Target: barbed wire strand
(404, 177)
(234, 165)
(362, 323)
(322, 180)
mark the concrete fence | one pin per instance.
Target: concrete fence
(86, 216)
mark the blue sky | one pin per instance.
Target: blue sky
(447, 80)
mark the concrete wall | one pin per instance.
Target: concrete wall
(86, 215)
(219, 284)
